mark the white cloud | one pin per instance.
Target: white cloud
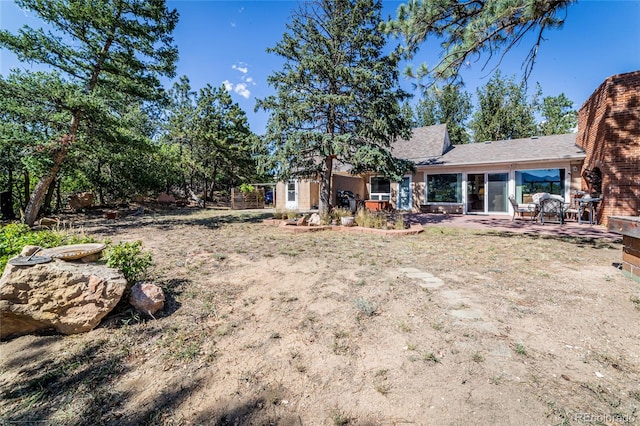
(233, 24)
(241, 89)
(243, 69)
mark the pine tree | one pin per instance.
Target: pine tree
(213, 136)
(558, 115)
(338, 97)
(503, 111)
(475, 30)
(97, 51)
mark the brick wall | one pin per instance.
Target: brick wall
(609, 131)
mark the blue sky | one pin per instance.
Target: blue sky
(225, 42)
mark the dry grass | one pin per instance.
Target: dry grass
(267, 327)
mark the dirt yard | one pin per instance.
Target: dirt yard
(264, 327)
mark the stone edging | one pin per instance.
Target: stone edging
(414, 229)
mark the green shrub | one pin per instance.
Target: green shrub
(246, 188)
(14, 236)
(130, 259)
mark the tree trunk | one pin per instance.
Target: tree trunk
(58, 196)
(100, 185)
(40, 191)
(6, 198)
(26, 189)
(213, 184)
(11, 212)
(204, 195)
(49, 196)
(325, 186)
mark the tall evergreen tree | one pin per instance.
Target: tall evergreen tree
(503, 111)
(558, 115)
(449, 105)
(213, 135)
(97, 51)
(178, 128)
(222, 138)
(338, 97)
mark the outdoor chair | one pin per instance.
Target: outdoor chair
(550, 207)
(521, 208)
(571, 210)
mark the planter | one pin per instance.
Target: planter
(377, 205)
(347, 221)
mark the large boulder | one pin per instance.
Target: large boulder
(68, 297)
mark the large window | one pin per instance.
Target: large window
(444, 188)
(529, 182)
(380, 188)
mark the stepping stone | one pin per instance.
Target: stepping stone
(429, 281)
(466, 313)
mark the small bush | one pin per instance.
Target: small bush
(365, 307)
(14, 236)
(520, 349)
(430, 357)
(291, 214)
(246, 188)
(130, 259)
(368, 219)
(339, 212)
(325, 218)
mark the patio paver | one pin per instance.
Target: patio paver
(501, 223)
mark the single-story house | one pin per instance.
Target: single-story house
(603, 158)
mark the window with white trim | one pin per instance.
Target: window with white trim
(380, 188)
(444, 188)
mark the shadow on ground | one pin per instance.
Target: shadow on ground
(211, 219)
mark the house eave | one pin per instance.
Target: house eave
(443, 164)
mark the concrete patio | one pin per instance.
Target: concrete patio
(504, 223)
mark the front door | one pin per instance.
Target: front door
(404, 194)
(292, 195)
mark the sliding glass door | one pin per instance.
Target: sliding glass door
(475, 193)
(497, 192)
(487, 192)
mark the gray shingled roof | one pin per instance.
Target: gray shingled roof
(556, 147)
(429, 146)
(425, 142)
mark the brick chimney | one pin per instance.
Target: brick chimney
(609, 132)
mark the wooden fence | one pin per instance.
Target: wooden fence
(247, 200)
